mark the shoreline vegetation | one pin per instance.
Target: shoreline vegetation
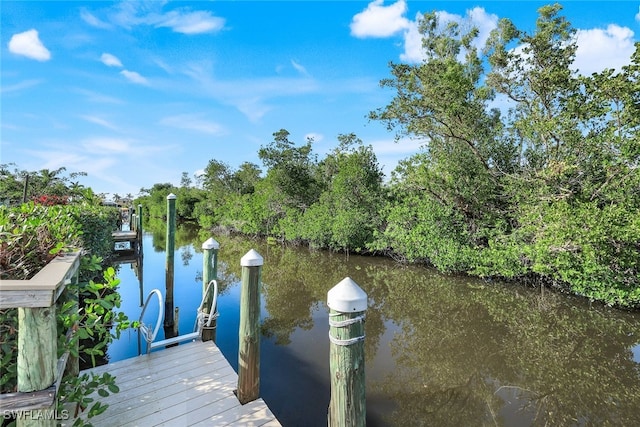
(544, 189)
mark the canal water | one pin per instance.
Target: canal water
(441, 350)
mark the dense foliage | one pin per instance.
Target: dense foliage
(544, 188)
(31, 235)
(549, 188)
(46, 187)
(332, 203)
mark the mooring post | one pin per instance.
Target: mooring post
(249, 351)
(37, 358)
(347, 303)
(169, 265)
(210, 250)
(139, 228)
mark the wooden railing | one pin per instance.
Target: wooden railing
(40, 370)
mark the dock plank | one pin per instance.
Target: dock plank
(190, 384)
(237, 416)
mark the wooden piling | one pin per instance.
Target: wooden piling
(139, 229)
(347, 303)
(249, 351)
(169, 265)
(37, 356)
(39, 370)
(210, 250)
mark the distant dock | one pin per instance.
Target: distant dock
(132, 235)
(124, 236)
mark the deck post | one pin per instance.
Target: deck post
(249, 351)
(37, 358)
(169, 265)
(347, 303)
(210, 250)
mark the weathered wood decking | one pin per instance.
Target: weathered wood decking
(191, 384)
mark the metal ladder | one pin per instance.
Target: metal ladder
(202, 320)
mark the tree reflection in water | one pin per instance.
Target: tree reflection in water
(471, 354)
(441, 350)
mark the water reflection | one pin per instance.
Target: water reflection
(468, 356)
(441, 350)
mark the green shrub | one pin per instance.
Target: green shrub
(30, 236)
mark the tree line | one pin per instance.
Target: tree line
(529, 169)
(544, 189)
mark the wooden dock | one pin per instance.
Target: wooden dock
(124, 236)
(130, 232)
(187, 385)
(134, 238)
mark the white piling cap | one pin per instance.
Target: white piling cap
(251, 259)
(211, 243)
(171, 196)
(347, 297)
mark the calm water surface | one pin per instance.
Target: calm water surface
(441, 350)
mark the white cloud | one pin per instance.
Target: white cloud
(134, 77)
(412, 43)
(184, 22)
(378, 20)
(249, 96)
(5, 125)
(105, 146)
(603, 48)
(484, 22)
(128, 14)
(474, 18)
(54, 159)
(97, 97)
(20, 86)
(93, 21)
(299, 68)
(638, 15)
(169, 69)
(193, 122)
(254, 108)
(99, 121)
(110, 60)
(28, 44)
(113, 146)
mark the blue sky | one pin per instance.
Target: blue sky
(135, 93)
